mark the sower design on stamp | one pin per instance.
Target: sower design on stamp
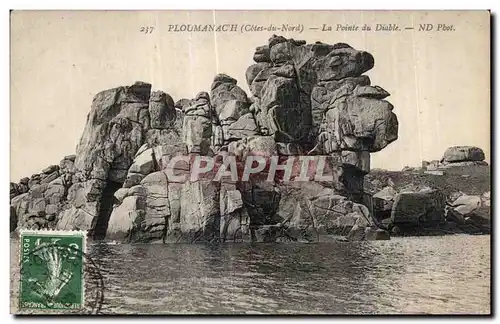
(52, 269)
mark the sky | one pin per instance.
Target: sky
(439, 81)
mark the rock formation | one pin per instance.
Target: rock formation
(457, 156)
(306, 99)
(447, 196)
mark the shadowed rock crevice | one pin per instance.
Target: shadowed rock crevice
(106, 207)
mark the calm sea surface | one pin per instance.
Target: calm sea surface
(422, 275)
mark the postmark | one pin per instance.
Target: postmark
(56, 273)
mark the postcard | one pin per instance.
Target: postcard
(250, 162)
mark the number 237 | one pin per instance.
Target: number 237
(147, 30)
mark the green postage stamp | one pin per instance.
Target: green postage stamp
(52, 269)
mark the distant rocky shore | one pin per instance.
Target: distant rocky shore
(306, 99)
(446, 196)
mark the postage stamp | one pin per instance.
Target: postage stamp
(52, 269)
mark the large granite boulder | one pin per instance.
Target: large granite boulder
(234, 218)
(197, 127)
(223, 89)
(113, 132)
(463, 153)
(384, 199)
(125, 218)
(425, 208)
(161, 110)
(308, 211)
(200, 211)
(142, 215)
(471, 210)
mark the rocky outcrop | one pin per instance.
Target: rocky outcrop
(313, 95)
(384, 199)
(456, 156)
(471, 212)
(447, 196)
(306, 100)
(41, 198)
(308, 211)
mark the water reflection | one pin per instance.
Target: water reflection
(410, 275)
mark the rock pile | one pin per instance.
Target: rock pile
(433, 200)
(457, 156)
(306, 99)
